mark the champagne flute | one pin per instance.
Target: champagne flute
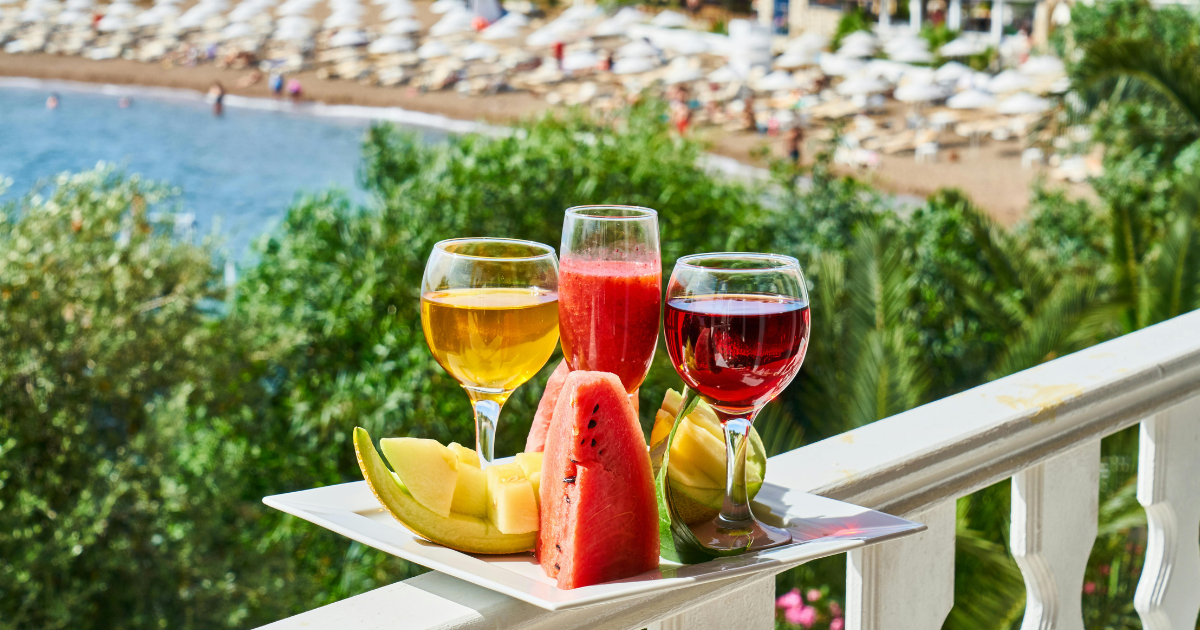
(737, 329)
(489, 307)
(610, 290)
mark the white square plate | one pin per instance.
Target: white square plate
(822, 527)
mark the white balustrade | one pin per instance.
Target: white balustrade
(1041, 428)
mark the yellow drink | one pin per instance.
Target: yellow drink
(491, 339)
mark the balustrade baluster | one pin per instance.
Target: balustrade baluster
(1054, 509)
(906, 584)
(1168, 594)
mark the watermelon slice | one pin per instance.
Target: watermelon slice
(536, 441)
(599, 516)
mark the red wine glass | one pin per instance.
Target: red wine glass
(610, 291)
(737, 328)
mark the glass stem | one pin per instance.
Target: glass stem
(735, 510)
(487, 416)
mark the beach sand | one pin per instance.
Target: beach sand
(991, 176)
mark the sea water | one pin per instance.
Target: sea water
(238, 172)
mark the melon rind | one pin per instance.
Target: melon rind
(458, 531)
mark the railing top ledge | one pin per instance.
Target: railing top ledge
(954, 446)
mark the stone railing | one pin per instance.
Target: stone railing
(1041, 428)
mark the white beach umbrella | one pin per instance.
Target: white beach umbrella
(155, 16)
(1044, 65)
(856, 50)
(912, 55)
(441, 6)
(348, 37)
(31, 15)
(7, 2)
(291, 35)
(78, 5)
(294, 8)
(962, 47)
(402, 27)
(512, 19)
(122, 9)
(1023, 103)
(165, 3)
(860, 38)
(237, 30)
(453, 22)
(637, 48)
(669, 19)
(886, 69)
(860, 86)
(391, 44)
(71, 17)
(682, 74)
(398, 10)
(580, 60)
(951, 72)
(686, 42)
(1008, 81)
(906, 41)
(480, 50)
(724, 74)
(839, 66)
(635, 65)
(294, 23)
(919, 93)
(112, 23)
(433, 50)
(501, 31)
(795, 59)
(619, 24)
(809, 41)
(971, 99)
(776, 81)
(247, 11)
(341, 20)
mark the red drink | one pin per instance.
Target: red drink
(608, 316)
(738, 351)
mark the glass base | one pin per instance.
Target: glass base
(718, 534)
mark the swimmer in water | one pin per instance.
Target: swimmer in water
(216, 94)
(52, 102)
(124, 102)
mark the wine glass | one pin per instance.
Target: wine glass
(737, 329)
(489, 307)
(610, 291)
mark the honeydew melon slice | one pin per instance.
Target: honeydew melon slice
(465, 533)
(465, 455)
(470, 492)
(427, 468)
(512, 507)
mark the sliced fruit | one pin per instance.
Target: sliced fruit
(428, 469)
(469, 534)
(511, 505)
(599, 510)
(466, 455)
(697, 470)
(536, 481)
(471, 492)
(529, 463)
(536, 441)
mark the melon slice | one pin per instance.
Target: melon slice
(536, 441)
(465, 533)
(598, 508)
(428, 469)
(529, 463)
(511, 507)
(471, 492)
(465, 455)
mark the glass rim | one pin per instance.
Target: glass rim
(638, 213)
(770, 262)
(547, 251)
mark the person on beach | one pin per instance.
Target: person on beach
(294, 90)
(124, 102)
(216, 94)
(559, 53)
(792, 141)
(276, 84)
(52, 101)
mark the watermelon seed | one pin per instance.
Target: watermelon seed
(593, 441)
(601, 451)
(597, 408)
(558, 547)
(567, 497)
(582, 441)
(556, 567)
(570, 479)
(592, 424)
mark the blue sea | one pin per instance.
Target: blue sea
(239, 171)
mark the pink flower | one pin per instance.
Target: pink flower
(1089, 587)
(801, 615)
(813, 595)
(835, 609)
(1105, 569)
(837, 624)
(790, 599)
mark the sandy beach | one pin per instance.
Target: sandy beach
(992, 175)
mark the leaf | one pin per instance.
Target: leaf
(677, 541)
